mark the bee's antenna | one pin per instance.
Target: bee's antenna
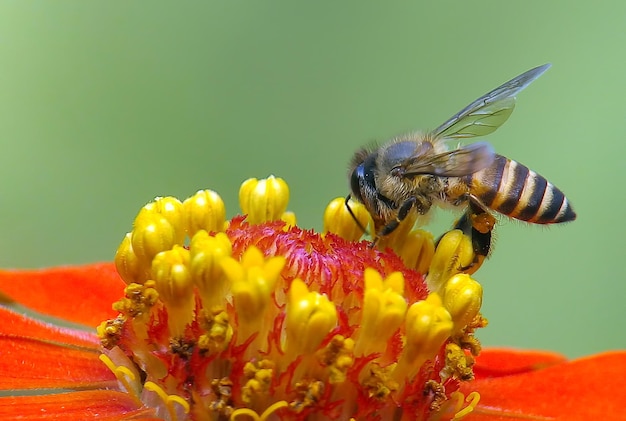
(348, 197)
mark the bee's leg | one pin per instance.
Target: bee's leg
(477, 223)
(361, 227)
(402, 213)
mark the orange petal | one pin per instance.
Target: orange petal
(39, 355)
(14, 324)
(101, 405)
(31, 364)
(586, 389)
(496, 362)
(81, 294)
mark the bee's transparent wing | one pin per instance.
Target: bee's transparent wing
(457, 163)
(488, 112)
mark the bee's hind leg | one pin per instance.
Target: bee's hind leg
(477, 223)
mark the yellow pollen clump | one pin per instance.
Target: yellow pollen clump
(259, 377)
(338, 356)
(138, 300)
(453, 254)
(264, 200)
(338, 220)
(384, 308)
(204, 210)
(219, 331)
(458, 364)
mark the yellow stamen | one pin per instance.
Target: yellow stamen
(453, 253)
(152, 234)
(253, 281)
(289, 218)
(384, 307)
(428, 325)
(417, 250)
(168, 400)
(462, 297)
(173, 282)
(130, 267)
(206, 253)
(310, 316)
(204, 210)
(255, 416)
(338, 220)
(172, 209)
(264, 200)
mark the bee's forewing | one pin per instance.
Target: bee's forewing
(488, 112)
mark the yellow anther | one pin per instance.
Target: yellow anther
(462, 297)
(417, 250)
(152, 233)
(428, 326)
(338, 220)
(172, 209)
(453, 254)
(310, 317)
(253, 281)
(219, 331)
(130, 267)
(384, 307)
(168, 400)
(170, 271)
(204, 210)
(264, 200)
(206, 253)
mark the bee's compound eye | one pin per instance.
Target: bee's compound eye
(356, 180)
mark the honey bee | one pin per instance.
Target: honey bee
(411, 173)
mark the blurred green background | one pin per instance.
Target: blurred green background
(105, 105)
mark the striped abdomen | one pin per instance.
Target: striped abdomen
(514, 190)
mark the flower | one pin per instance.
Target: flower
(257, 318)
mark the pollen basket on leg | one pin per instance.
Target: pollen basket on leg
(263, 318)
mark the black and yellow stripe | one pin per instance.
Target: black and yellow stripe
(512, 189)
